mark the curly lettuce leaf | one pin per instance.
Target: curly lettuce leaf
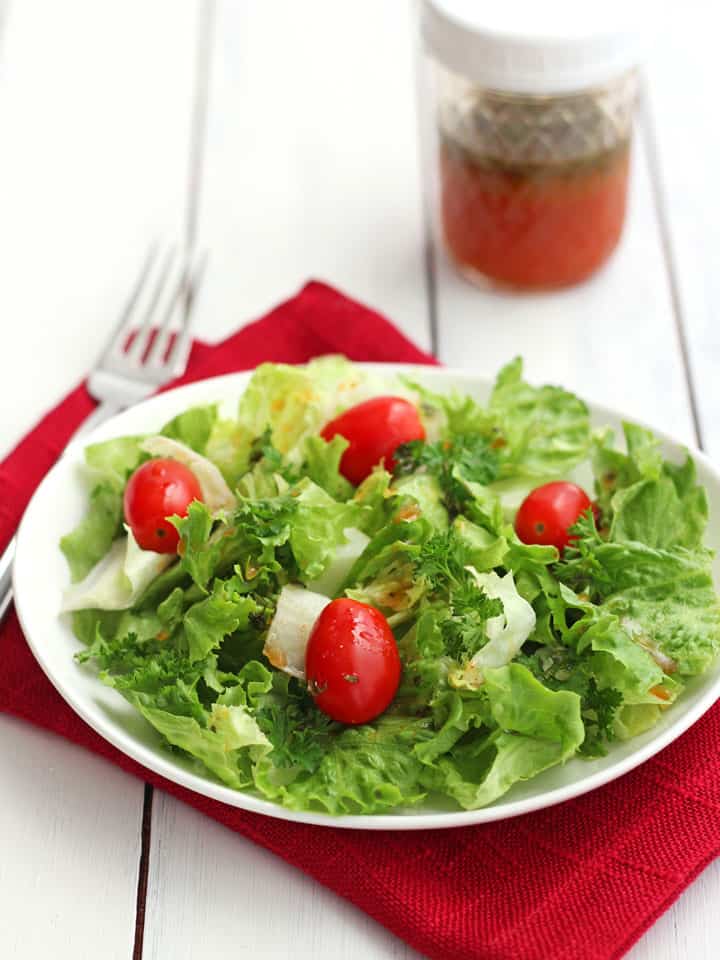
(477, 775)
(250, 538)
(296, 402)
(372, 497)
(318, 528)
(478, 502)
(617, 661)
(664, 600)
(93, 537)
(291, 403)
(269, 474)
(108, 466)
(560, 667)
(425, 490)
(322, 465)
(365, 769)
(527, 729)
(206, 713)
(209, 621)
(224, 736)
(305, 518)
(229, 446)
(633, 719)
(457, 465)
(521, 704)
(450, 414)
(539, 431)
(222, 745)
(385, 575)
(532, 432)
(192, 427)
(484, 550)
(199, 555)
(645, 498)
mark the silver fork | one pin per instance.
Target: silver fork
(146, 349)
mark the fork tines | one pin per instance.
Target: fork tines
(152, 337)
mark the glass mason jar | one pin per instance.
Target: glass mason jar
(534, 136)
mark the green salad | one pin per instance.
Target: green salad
(502, 655)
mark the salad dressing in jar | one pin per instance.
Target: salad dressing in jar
(534, 132)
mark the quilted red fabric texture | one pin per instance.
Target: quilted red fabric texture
(580, 881)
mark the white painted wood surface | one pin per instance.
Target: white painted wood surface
(93, 163)
(70, 835)
(298, 121)
(311, 169)
(95, 108)
(684, 76)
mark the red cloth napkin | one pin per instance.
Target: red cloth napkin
(575, 882)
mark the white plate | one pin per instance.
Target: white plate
(41, 574)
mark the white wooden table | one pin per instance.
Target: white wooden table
(283, 136)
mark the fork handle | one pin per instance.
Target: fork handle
(6, 577)
(101, 412)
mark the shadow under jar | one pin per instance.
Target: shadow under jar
(534, 142)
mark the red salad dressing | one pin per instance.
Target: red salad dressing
(540, 227)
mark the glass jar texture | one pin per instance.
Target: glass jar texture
(533, 187)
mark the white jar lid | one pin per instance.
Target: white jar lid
(535, 46)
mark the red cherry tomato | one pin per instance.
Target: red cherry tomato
(547, 512)
(352, 663)
(374, 429)
(159, 489)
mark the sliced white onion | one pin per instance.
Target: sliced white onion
(287, 639)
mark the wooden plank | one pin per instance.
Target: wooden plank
(683, 74)
(311, 170)
(311, 167)
(615, 340)
(212, 890)
(95, 106)
(684, 146)
(95, 109)
(70, 834)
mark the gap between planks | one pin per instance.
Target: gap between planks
(647, 130)
(143, 872)
(425, 144)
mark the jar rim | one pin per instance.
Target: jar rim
(552, 56)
